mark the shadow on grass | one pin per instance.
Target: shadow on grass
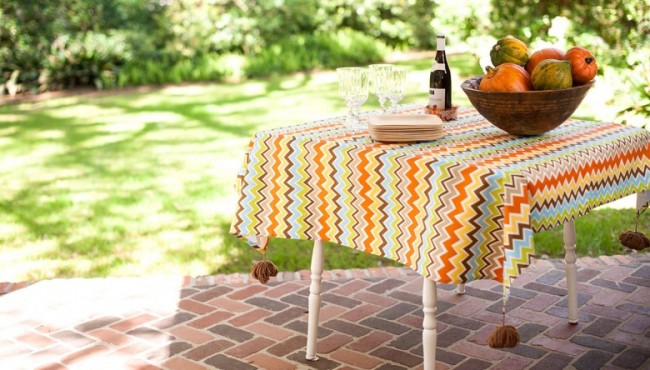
(274, 84)
(43, 217)
(88, 195)
(98, 183)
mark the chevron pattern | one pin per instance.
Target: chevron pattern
(461, 208)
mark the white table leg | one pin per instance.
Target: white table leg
(314, 299)
(460, 289)
(429, 333)
(571, 270)
(642, 198)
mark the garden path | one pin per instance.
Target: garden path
(371, 319)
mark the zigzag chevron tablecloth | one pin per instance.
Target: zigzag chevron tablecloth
(456, 209)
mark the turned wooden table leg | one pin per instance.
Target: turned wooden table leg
(429, 333)
(642, 198)
(571, 270)
(314, 299)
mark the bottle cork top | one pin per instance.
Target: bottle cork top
(440, 42)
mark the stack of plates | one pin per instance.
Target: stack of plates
(403, 128)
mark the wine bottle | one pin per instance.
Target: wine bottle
(440, 78)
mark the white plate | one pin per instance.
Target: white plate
(405, 127)
(406, 120)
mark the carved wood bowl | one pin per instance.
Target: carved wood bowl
(525, 113)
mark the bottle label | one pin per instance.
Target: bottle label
(437, 98)
(437, 67)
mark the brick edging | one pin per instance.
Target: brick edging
(8, 287)
(389, 271)
(243, 279)
(374, 272)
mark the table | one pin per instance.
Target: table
(461, 208)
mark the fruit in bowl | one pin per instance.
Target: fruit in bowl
(552, 74)
(506, 77)
(509, 50)
(583, 64)
(527, 96)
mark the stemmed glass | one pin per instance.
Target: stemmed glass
(353, 88)
(379, 74)
(396, 87)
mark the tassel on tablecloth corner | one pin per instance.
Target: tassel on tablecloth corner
(635, 239)
(504, 336)
(263, 270)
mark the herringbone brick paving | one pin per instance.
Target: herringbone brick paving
(370, 319)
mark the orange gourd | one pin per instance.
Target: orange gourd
(543, 54)
(506, 77)
(583, 64)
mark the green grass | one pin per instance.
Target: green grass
(596, 233)
(142, 183)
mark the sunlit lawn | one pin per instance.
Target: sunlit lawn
(142, 183)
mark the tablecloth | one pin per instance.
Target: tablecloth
(460, 208)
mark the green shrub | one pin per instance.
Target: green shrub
(90, 59)
(618, 23)
(304, 52)
(237, 26)
(55, 44)
(170, 69)
(52, 44)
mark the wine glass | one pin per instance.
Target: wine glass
(353, 88)
(379, 82)
(396, 87)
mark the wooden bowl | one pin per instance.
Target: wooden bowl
(525, 113)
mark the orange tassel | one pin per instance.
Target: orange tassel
(263, 270)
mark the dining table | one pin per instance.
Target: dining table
(460, 208)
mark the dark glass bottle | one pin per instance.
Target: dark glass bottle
(440, 78)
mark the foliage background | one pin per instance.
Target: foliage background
(57, 44)
(54, 44)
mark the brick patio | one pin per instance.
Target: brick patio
(370, 319)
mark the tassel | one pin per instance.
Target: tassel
(263, 270)
(635, 239)
(505, 335)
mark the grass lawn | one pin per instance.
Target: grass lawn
(142, 183)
